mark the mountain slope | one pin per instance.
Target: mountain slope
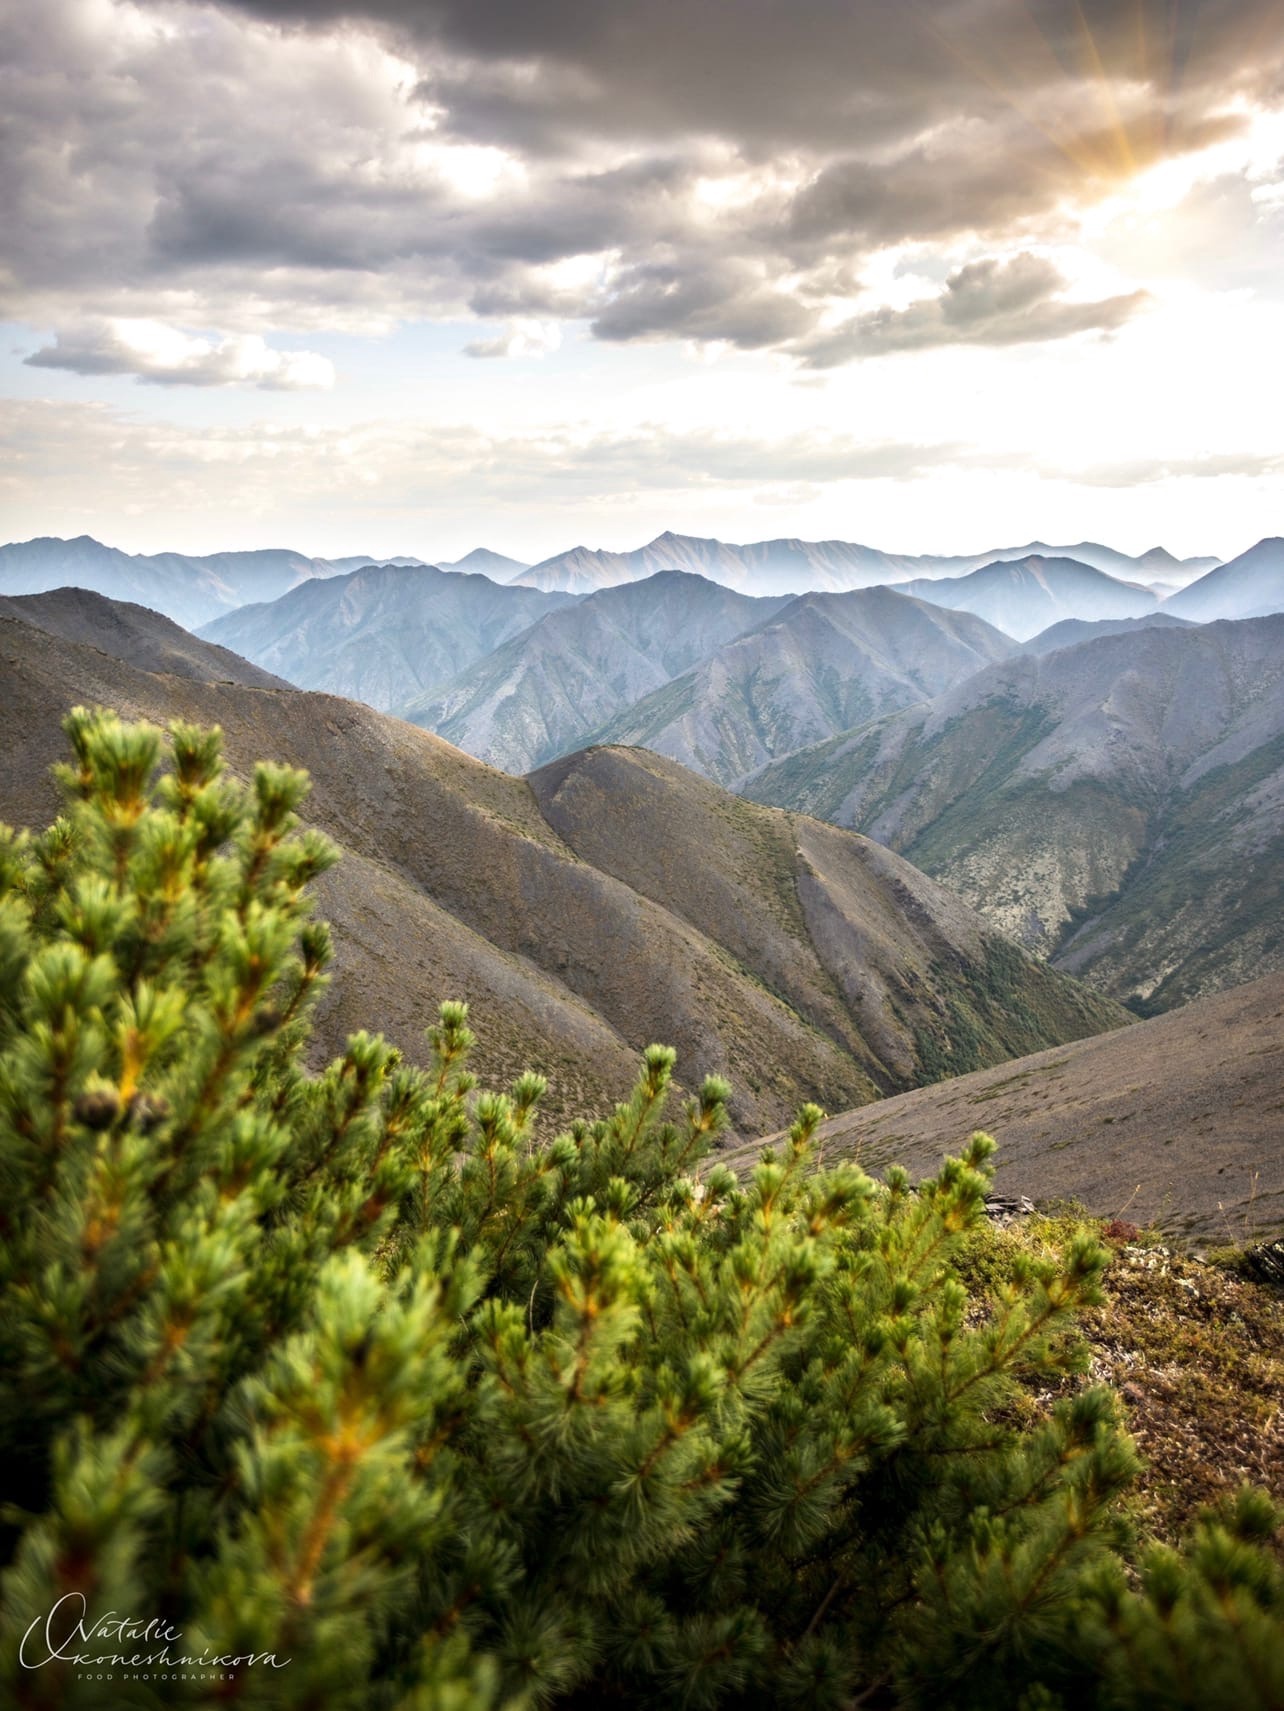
(1118, 805)
(1069, 632)
(190, 590)
(820, 664)
(134, 634)
(1247, 587)
(1023, 596)
(543, 691)
(383, 633)
(457, 884)
(1175, 1122)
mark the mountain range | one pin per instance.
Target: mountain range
(1021, 597)
(195, 589)
(381, 634)
(720, 681)
(1117, 805)
(799, 567)
(610, 900)
(822, 663)
(544, 691)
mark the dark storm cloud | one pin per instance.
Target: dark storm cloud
(221, 173)
(986, 303)
(722, 301)
(801, 73)
(984, 183)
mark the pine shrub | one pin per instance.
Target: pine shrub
(332, 1388)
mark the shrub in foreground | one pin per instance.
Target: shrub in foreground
(338, 1385)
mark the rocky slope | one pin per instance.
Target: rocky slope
(545, 690)
(1175, 1122)
(1118, 806)
(135, 633)
(383, 633)
(1069, 632)
(609, 902)
(820, 664)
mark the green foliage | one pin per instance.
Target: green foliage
(340, 1376)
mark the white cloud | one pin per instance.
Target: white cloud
(167, 356)
(525, 337)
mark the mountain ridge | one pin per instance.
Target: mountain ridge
(1118, 805)
(794, 566)
(456, 884)
(383, 633)
(818, 664)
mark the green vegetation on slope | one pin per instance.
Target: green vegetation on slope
(1116, 806)
(360, 1394)
(1197, 906)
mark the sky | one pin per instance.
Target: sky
(414, 276)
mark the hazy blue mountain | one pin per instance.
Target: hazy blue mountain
(498, 566)
(190, 590)
(1249, 586)
(381, 634)
(797, 567)
(1023, 596)
(358, 561)
(1156, 564)
(1069, 632)
(1118, 805)
(820, 664)
(546, 689)
(765, 567)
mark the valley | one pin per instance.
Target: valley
(581, 936)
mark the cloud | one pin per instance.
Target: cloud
(524, 338)
(719, 172)
(83, 459)
(165, 356)
(828, 74)
(1212, 466)
(726, 301)
(991, 302)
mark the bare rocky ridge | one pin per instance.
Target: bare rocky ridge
(384, 633)
(459, 886)
(820, 664)
(135, 634)
(545, 690)
(1118, 805)
(1178, 1121)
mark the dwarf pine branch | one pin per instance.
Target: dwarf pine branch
(350, 1384)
